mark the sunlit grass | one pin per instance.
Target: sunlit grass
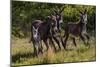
(22, 53)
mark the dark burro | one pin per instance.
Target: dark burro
(47, 29)
(77, 29)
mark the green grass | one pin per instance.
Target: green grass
(22, 53)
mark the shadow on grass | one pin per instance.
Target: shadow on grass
(17, 57)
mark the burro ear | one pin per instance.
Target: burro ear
(85, 11)
(37, 28)
(55, 11)
(34, 28)
(62, 9)
(80, 13)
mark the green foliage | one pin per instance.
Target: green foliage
(23, 13)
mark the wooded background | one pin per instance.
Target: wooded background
(23, 13)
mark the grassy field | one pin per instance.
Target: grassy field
(22, 53)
